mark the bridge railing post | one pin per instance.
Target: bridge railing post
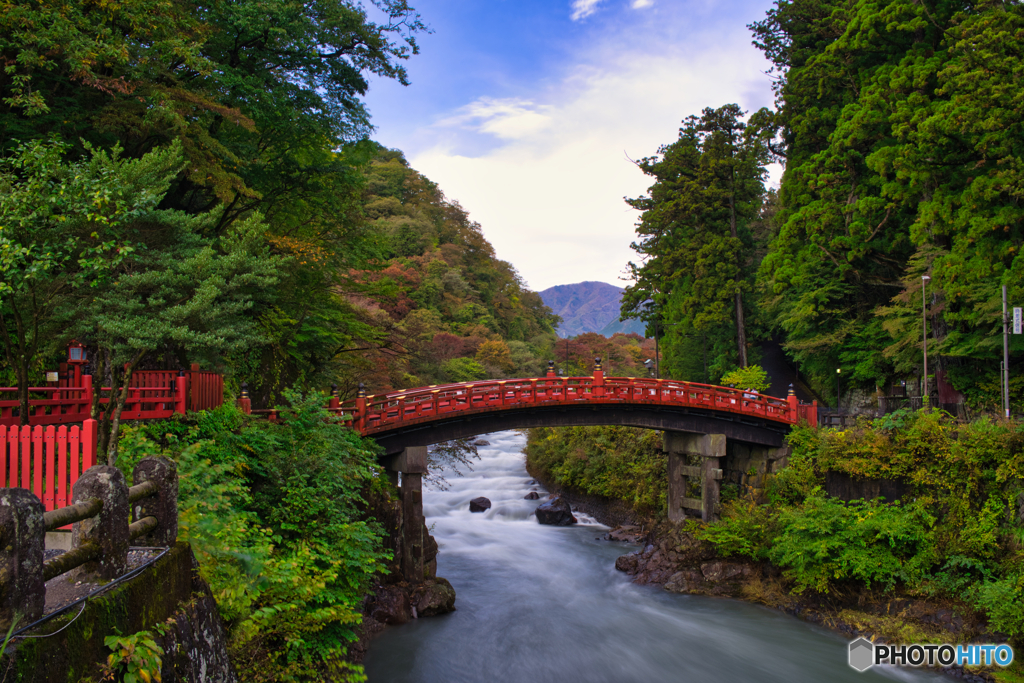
(360, 416)
(598, 378)
(794, 405)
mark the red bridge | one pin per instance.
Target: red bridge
(428, 415)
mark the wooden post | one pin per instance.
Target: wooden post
(360, 418)
(334, 404)
(88, 436)
(163, 506)
(181, 393)
(108, 529)
(598, 378)
(244, 402)
(794, 405)
(22, 591)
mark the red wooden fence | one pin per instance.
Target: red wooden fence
(46, 461)
(206, 390)
(152, 395)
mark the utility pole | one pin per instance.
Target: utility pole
(1006, 360)
(924, 339)
(657, 353)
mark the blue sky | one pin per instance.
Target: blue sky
(528, 113)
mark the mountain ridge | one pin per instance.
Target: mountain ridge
(588, 306)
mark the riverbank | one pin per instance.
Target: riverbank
(893, 572)
(675, 560)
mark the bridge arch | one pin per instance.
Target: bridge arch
(429, 415)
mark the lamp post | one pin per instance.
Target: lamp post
(924, 340)
(839, 403)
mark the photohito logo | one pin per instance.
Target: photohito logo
(864, 654)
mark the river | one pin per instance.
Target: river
(539, 603)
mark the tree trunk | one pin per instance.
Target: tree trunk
(741, 329)
(96, 410)
(18, 358)
(114, 413)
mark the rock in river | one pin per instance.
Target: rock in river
(479, 504)
(556, 512)
(532, 495)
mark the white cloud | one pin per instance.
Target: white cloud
(640, 4)
(508, 119)
(582, 9)
(549, 193)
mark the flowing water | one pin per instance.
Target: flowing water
(540, 603)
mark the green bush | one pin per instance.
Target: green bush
(272, 512)
(826, 541)
(746, 529)
(1003, 601)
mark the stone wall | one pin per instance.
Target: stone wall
(168, 592)
(750, 468)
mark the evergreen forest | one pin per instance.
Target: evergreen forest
(898, 126)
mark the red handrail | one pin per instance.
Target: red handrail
(382, 412)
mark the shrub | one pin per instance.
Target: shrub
(826, 541)
(750, 377)
(272, 512)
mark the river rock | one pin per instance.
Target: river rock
(627, 563)
(625, 534)
(556, 512)
(481, 442)
(723, 571)
(434, 596)
(479, 504)
(532, 495)
(390, 605)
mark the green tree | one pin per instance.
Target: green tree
(695, 232)
(64, 230)
(183, 290)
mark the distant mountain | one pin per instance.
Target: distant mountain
(588, 307)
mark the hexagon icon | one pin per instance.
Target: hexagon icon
(862, 654)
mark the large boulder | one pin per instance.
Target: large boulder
(434, 596)
(532, 495)
(555, 512)
(479, 504)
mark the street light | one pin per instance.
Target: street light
(924, 339)
(839, 403)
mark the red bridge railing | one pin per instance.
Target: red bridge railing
(374, 414)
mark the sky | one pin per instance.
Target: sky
(530, 114)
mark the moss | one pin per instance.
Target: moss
(138, 604)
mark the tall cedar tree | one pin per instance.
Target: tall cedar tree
(695, 235)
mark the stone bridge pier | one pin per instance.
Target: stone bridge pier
(698, 464)
(411, 463)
